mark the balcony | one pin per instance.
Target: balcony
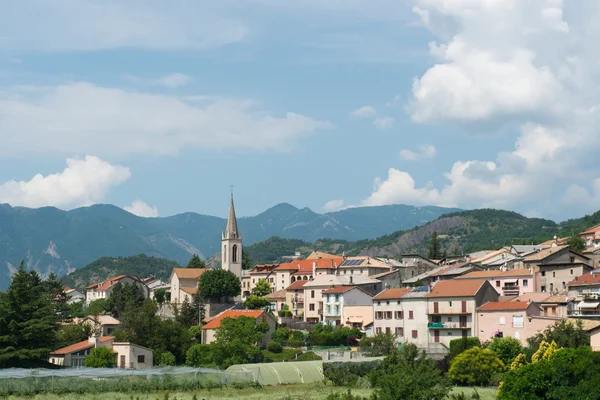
(449, 325)
(298, 299)
(442, 311)
(511, 289)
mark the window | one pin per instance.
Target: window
(497, 283)
(543, 273)
(572, 259)
(387, 302)
(234, 253)
(502, 320)
(379, 315)
(517, 321)
(525, 283)
(264, 318)
(388, 330)
(378, 303)
(564, 285)
(311, 307)
(543, 288)
(449, 319)
(571, 272)
(450, 303)
(141, 359)
(398, 315)
(411, 315)
(378, 330)
(415, 334)
(388, 315)
(398, 302)
(554, 274)
(399, 331)
(449, 333)
(312, 294)
(413, 273)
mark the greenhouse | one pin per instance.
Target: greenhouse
(282, 372)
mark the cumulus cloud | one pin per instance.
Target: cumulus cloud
(171, 81)
(518, 63)
(333, 205)
(425, 151)
(364, 112)
(383, 123)
(87, 25)
(142, 209)
(80, 118)
(83, 182)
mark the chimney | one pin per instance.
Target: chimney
(351, 280)
(343, 255)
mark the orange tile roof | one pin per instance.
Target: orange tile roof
(296, 285)
(338, 290)
(494, 274)
(392, 294)
(189, 273)
(593, 229)
(504, 306)
(278, 295)
(215, 322)
(307, 265)
(81, 346)
(191, 291)
(456, 288)
(108, 283)
(591, 278)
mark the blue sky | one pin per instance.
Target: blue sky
(159, 107)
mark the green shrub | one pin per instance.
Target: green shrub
(274, 347)
(347, 373)
(100, 357)
(199, 355)
(344, 396)
(507, 349)
(457, 346)
(309, 356)
(166, 359)
(475, 366)
(285, 355)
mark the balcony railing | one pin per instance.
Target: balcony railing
(445, 311)
(583, 313)
(449, 325)
(298, 299)
(510, 288)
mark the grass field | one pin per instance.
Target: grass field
(291, 392)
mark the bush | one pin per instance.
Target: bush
(100, 357)
(507, 349)
(166, 359)
(281, 335)
(347, 373)
(199, 355)
(274, 347)
(309, 356)
(344, 396)
(381, 344)
(475, 366)
(457, 346)
(285, 355)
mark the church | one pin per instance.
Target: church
(231, 244)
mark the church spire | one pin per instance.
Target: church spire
(232, 229)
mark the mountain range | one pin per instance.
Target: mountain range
(53, 240)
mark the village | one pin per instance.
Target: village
(515, 292)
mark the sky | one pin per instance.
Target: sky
(158, 107)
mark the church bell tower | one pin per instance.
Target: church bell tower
(231, 244)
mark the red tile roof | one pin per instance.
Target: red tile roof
(307, 265)
(593, 229)
(215, 323)
(189, 290)
(504, 306)
(107, 283)
(392, 294)
(189, 273)
(296, 285)
(496, 274)
(81, 346)
(338, 290)
(456, 288)
(591, 278)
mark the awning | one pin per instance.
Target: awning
(585, 304)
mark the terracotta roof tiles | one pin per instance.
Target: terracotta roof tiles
(456, 288)
(296, 285)
(392, 294)
(504, 306)
(215, 322)
(81, 346)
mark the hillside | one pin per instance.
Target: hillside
(52, 240)
(141, 266)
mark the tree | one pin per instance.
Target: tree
(167, 359)
(457, 346)
(200, 355)
(565, 333)
(256, 303)
(236, 341)
(160, 295)
(96, 307)
(72, 333)
(29, 314)
(435, 248)
(475, 366)
(246, 259)
(218, 283)
(576, 243)
(409, 375)
(262, 288)
(100, 357)
(191, 313)
(507, 349)
(196, 262)
(381, 344)
(124, 296)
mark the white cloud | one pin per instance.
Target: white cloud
(83, 182)
(87, 25)
(333, 205)
(142, 209)
(172, 81)
(383, 123)
(425, 151)
(79, 118)
(364, 112)
(399, 187)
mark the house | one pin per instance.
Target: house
(410, 266)
(316, 255)
(591, 236)
(294, 298)
(557, 265)
(347, 305)
(73, 295)
(313, 291)
(451, 309)
(585, 292)
(260, 271)
(388, 314)
(445, 272)
(558, 305)
(210, 328)
(104, 325)
(183, 283)
(506, 319)
(505, 257)
(277, 300)
(127, 355)
(154, 284)
(512, 282)
(102, 290)
(594, 254)
(363, 265)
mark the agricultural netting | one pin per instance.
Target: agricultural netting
(282, 372)
(27, 382)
